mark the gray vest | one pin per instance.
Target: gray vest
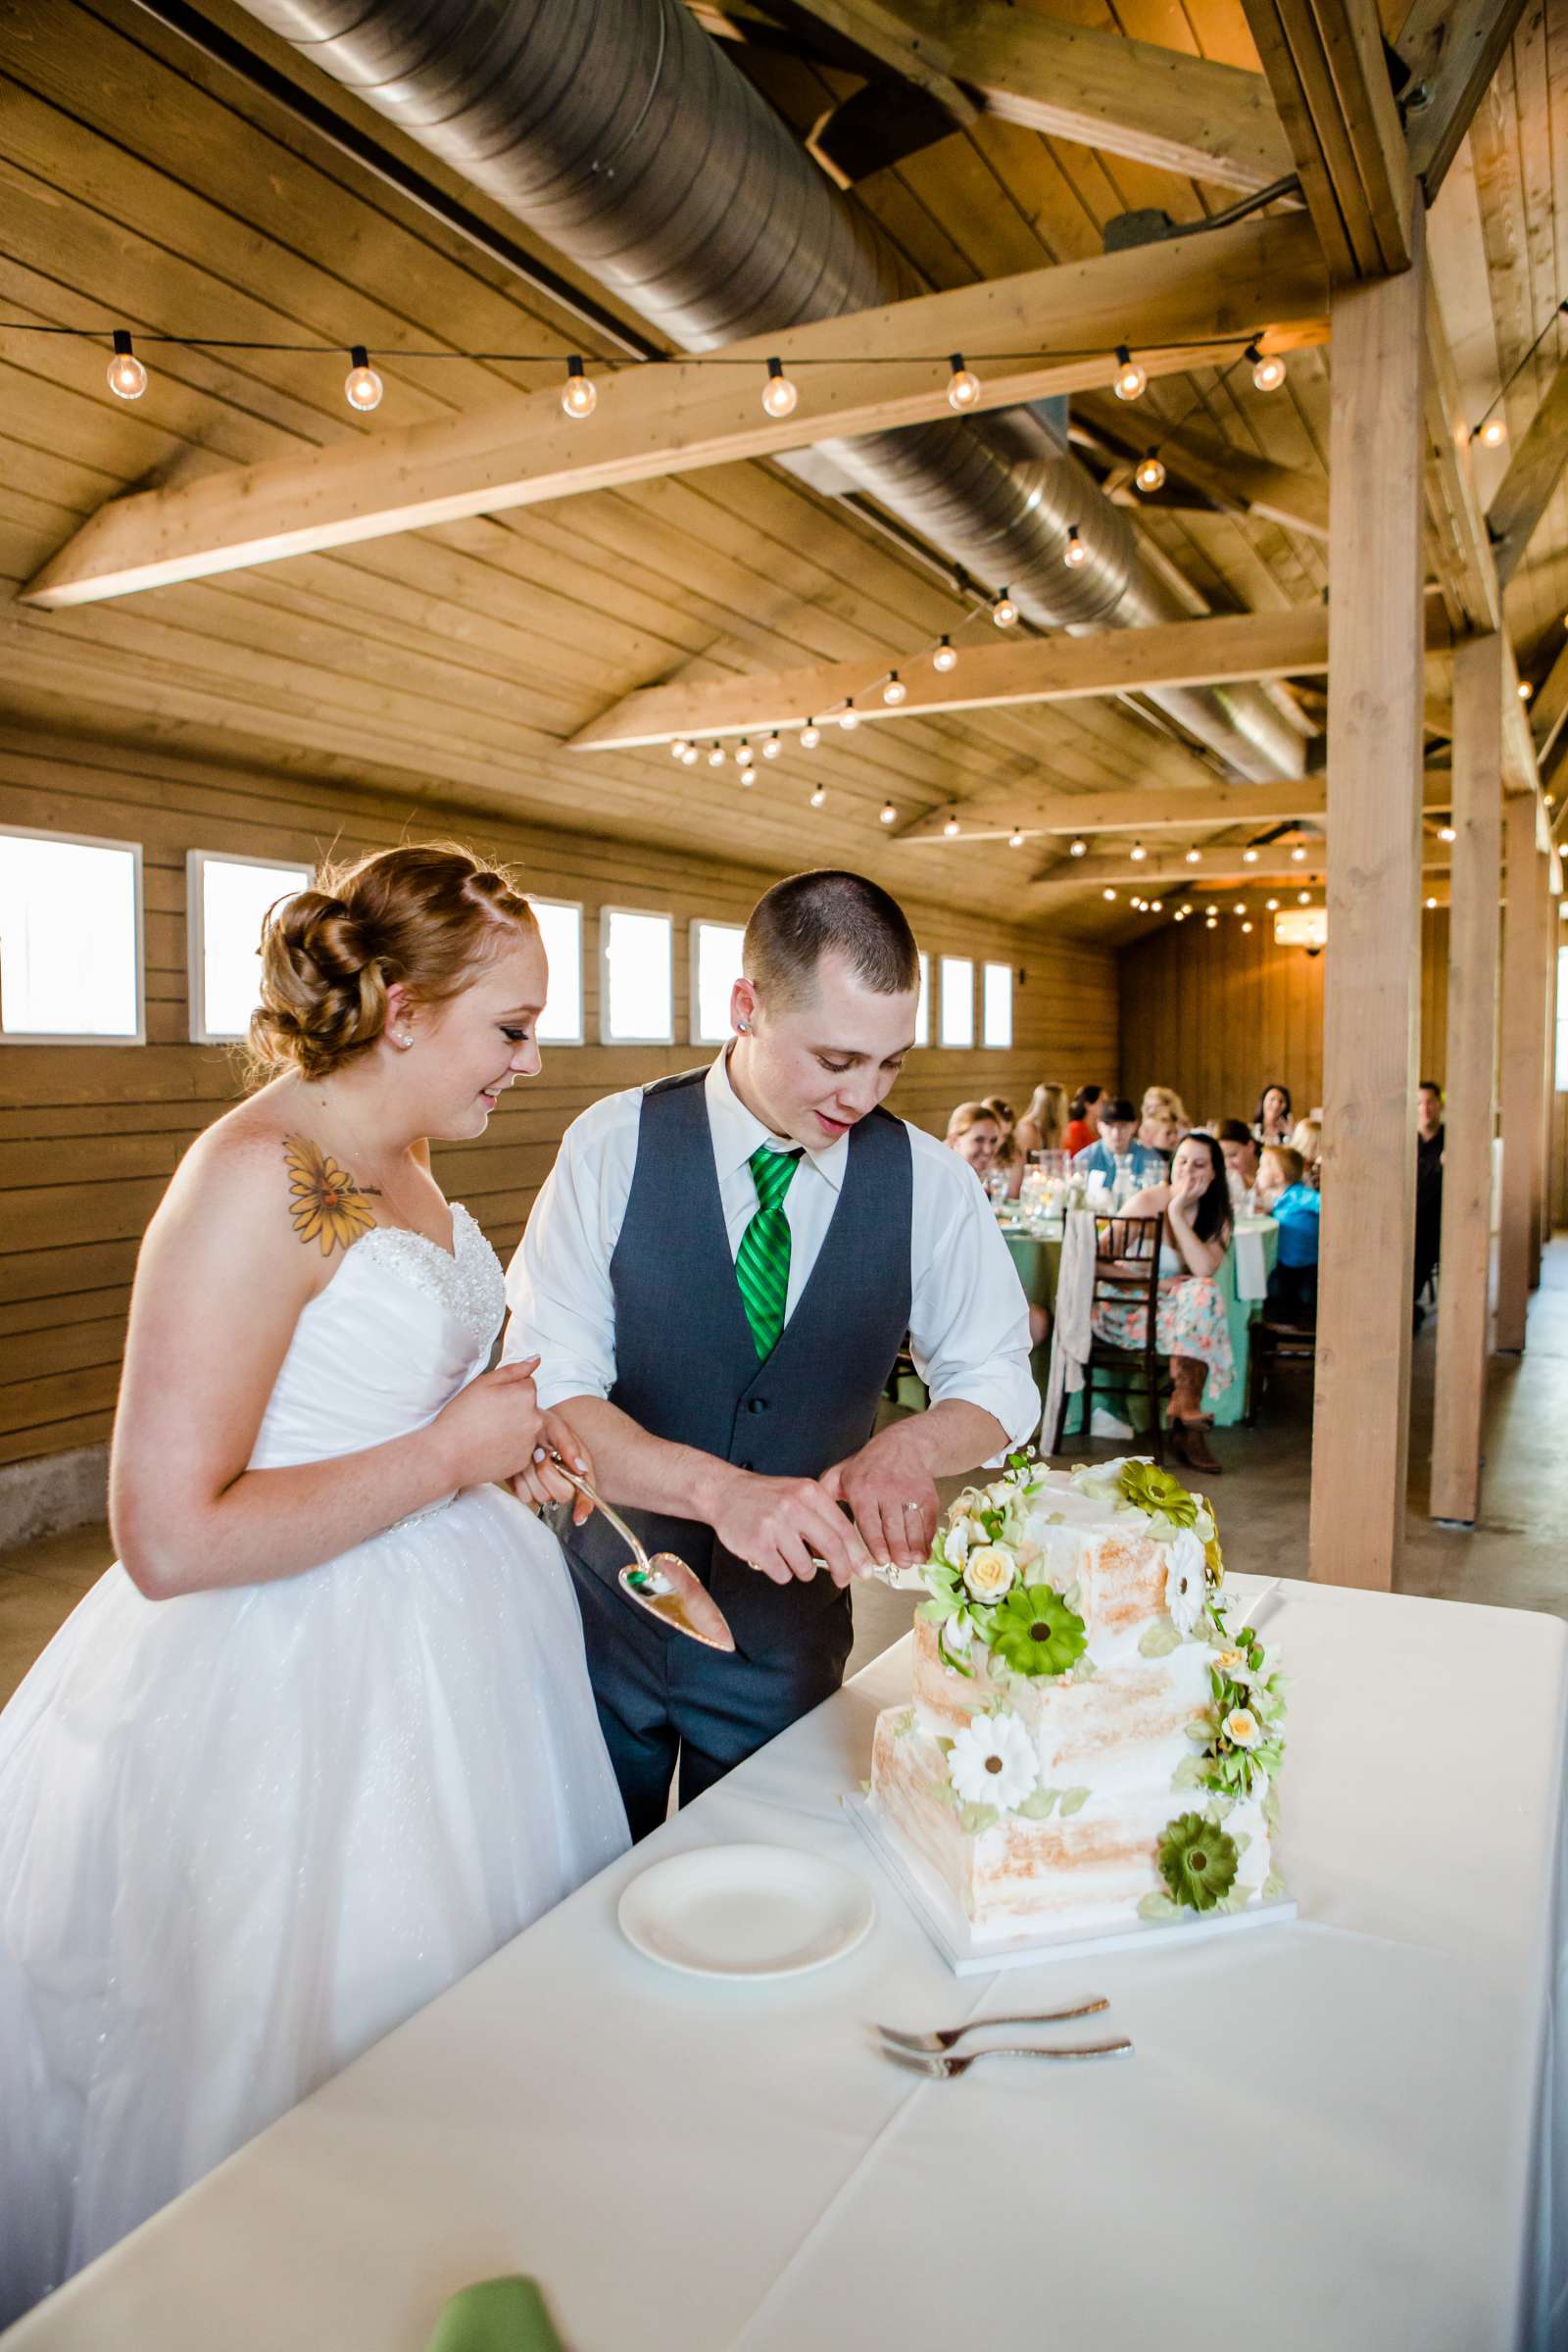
(686, 1361)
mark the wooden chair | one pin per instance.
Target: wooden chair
(1126, 1274)
(1277, 1346)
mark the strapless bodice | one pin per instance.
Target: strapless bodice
(397, 1332)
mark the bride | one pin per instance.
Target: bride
(323, 1738)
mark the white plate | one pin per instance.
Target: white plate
(746, 1911)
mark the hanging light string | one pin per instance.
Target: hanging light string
(1480, 431)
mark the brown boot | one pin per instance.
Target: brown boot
(1187, 1440)
(1190, 1446)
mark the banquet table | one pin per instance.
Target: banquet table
(1242, 1280)
(1337, 2132)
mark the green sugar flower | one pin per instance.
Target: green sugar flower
(1198, 1861)
(1154, 1490)
(1034, 1632)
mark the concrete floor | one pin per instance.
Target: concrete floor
(1516, 1556)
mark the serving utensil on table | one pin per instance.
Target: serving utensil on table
(943, 2067)
(933, 2046)
(664, 1585)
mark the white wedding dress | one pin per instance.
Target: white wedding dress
(245, 1833)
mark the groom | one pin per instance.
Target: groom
(718, 1274)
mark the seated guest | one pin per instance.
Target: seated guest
(1306, 1137)
(1118, 1140)
(1239, 1145)
(1084, 1124)
(1273, 1122)
(1189, 1325)
(1284, 1194)
(974, 1132)
(1009, 1154)
(1043, 1124)
(1162, 1121)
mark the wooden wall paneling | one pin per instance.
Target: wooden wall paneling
(89, 1135)
(1471, 1015)
(1372, 987)
(1523, 1007)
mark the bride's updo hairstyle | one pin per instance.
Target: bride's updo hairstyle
(427, 914)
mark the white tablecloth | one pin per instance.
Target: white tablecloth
(1252, 1266)
(1328, 2139)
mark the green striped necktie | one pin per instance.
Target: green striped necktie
(762, 1263)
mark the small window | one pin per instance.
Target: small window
(227, 903)
(996, 1006)
(559, 923)
(716, 968)
(958, 1000)
(922, 1011)
(70, 956)
(637, 997)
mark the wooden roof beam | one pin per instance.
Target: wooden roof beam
(1550, 709)
(1325, 64)
(997, 814)
(1453, 48)
(1189, 297)
(1526, 489)
(1237, 481)
(1222, 869)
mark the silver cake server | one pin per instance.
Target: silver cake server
(665, 1585)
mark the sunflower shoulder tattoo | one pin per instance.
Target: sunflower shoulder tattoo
(325, 1204)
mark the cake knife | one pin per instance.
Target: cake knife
(665, 1585)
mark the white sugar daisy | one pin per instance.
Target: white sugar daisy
(1185, 1580)
(992, 1762)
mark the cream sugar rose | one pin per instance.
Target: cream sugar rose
(1092, 1741)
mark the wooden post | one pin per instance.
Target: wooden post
(1372, 982)
(1474, 934)
(1540, 1204)
(1523, 1005)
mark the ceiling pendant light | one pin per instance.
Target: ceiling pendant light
(1004, 611)
(945, 659)
(1269, 373)
(127, 377)
(778, 393)
(963, 388)
(361, 387)
(811, 736)
(887, 812)
(773, 746)
(578, 397)
(1129, 379)
(1151, 474)
(950, 828)
(1075, 551)
(895, 691)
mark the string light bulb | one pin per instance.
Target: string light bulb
(963, 387)
(361, 387)
(895, 691)
(1129, 379)
(1156, 906)
(127, 377)
(1299, 855)
(1137, 853)
(1151, 475)
(1249, 857)
(1268, 372)
(1447, 833)
(1431, 902)
(1211, 923)
(945, 659)
(677, 750)
(887, 812)
(1107, 892)
(950, 828)
(747, 779)
(717, 756)
(579, 397)
(743, 753)
(1075, 551)
(1193, 857)
(1016, 839)
(1303, 898)
(1492, 433)
(1526, 690)
(779, 395)
(818, 797)
(1247, 926)
(688, 758)
(773, 746)
(811, 736)
(1004, 611)
(1078, 849)
(850, 719)
(1271, 906)
(1241, 906)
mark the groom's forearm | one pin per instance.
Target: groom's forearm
(651, 1474)
(946, 1438)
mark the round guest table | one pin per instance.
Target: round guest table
(1337, 2131)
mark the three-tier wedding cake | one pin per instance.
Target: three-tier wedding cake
(1096, 1733)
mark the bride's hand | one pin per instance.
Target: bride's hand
(541, 1482)
(490, 1429)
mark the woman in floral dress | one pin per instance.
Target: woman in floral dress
(1189, 1325)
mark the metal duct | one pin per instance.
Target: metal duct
(621, 132)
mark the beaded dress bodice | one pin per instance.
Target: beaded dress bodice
(397, 1332)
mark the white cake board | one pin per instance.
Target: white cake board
(971, 1956)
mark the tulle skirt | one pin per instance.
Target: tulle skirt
(244, 1834)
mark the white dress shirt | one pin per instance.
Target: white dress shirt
(968, 1318)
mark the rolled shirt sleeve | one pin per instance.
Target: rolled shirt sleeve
(563, 1308)
(968, 1315)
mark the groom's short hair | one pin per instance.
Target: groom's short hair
(825, 913)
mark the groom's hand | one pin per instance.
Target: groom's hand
(784, 1526)
(892, 1495)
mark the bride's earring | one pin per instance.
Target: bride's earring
(402, 1039)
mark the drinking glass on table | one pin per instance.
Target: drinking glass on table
(996, 1184)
